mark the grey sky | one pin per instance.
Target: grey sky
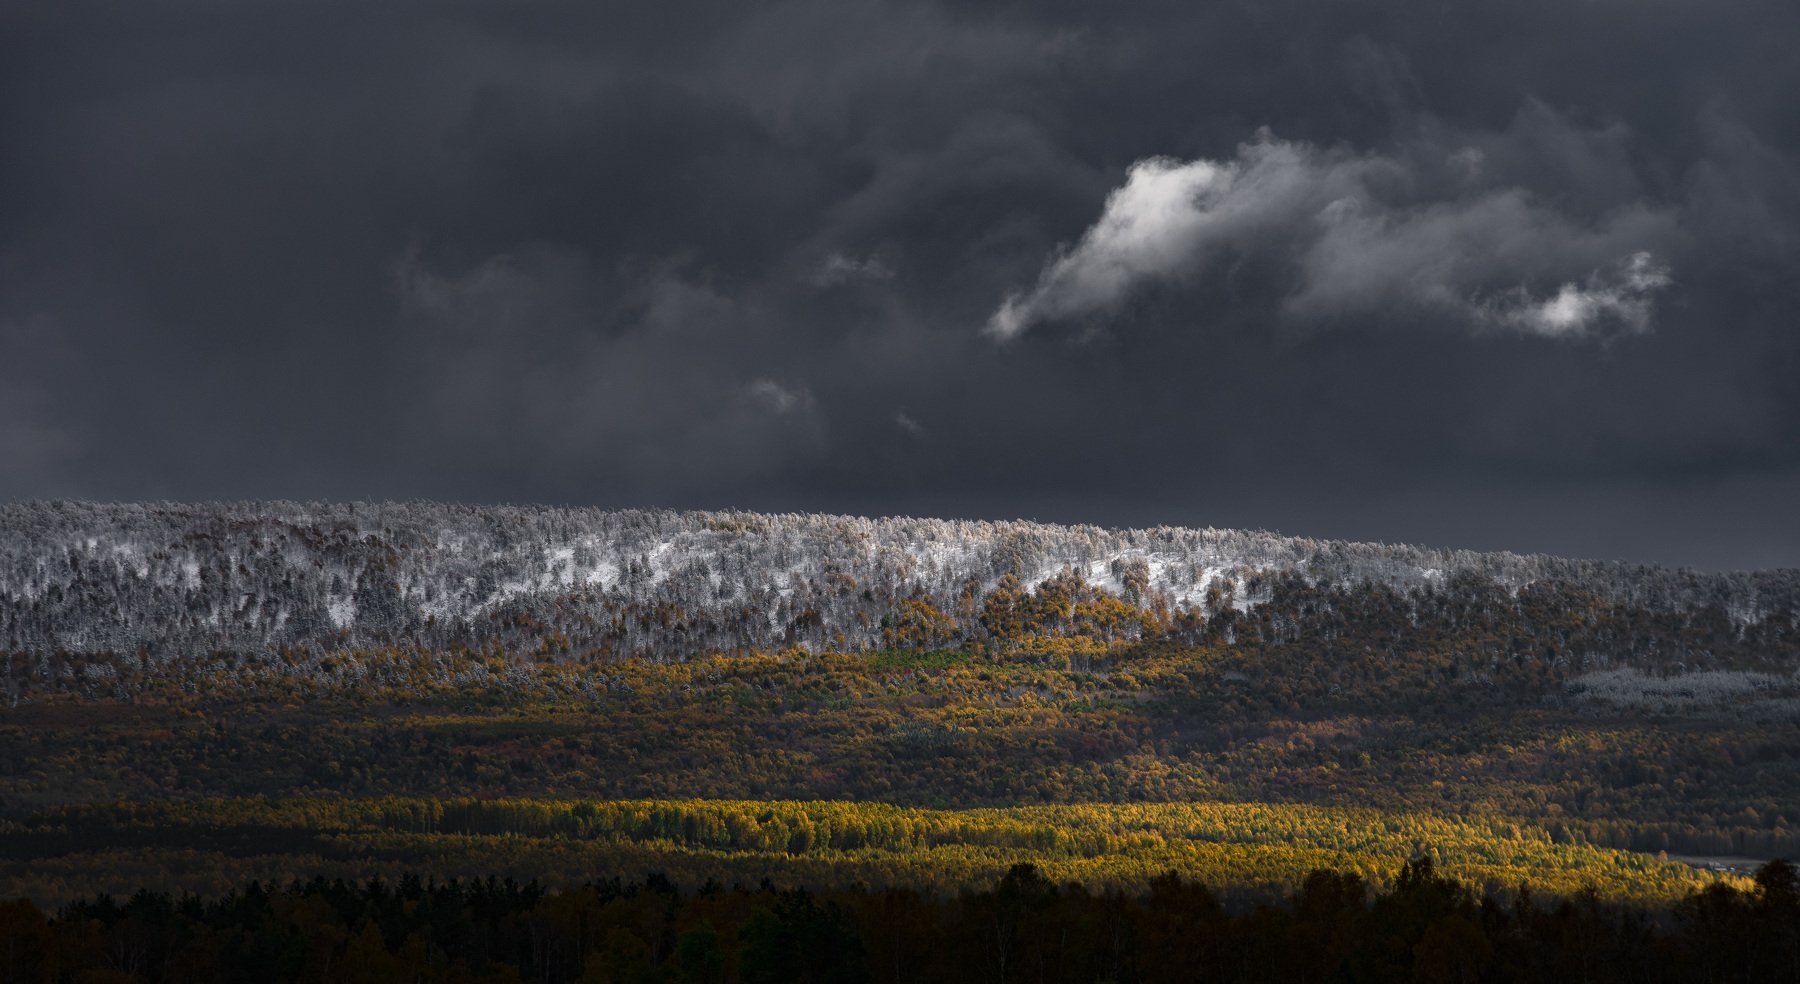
(1499, 275)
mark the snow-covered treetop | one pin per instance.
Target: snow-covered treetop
(83, 576)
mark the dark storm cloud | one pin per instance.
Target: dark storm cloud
(1496, 275)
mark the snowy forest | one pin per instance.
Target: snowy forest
(162, 582)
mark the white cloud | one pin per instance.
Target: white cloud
(906, 423)
(1152, 228)
(776, 397)
(838, 268)
(1354, 235)
(1621, 296)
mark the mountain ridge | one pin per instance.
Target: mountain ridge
(93, 577)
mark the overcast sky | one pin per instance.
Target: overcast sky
(1514, 274)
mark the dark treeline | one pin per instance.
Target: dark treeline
(1428, 927)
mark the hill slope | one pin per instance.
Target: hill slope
(169, 580)
(313, 652)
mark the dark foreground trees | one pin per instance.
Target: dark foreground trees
(1428, 928)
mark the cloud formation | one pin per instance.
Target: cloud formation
(837, 269)
(912, 427)
(1355, 236)
(1622, 296)
(777, 397)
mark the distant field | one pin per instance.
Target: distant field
(1240, 849)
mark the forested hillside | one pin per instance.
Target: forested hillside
(224, 664)
(159, 584)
